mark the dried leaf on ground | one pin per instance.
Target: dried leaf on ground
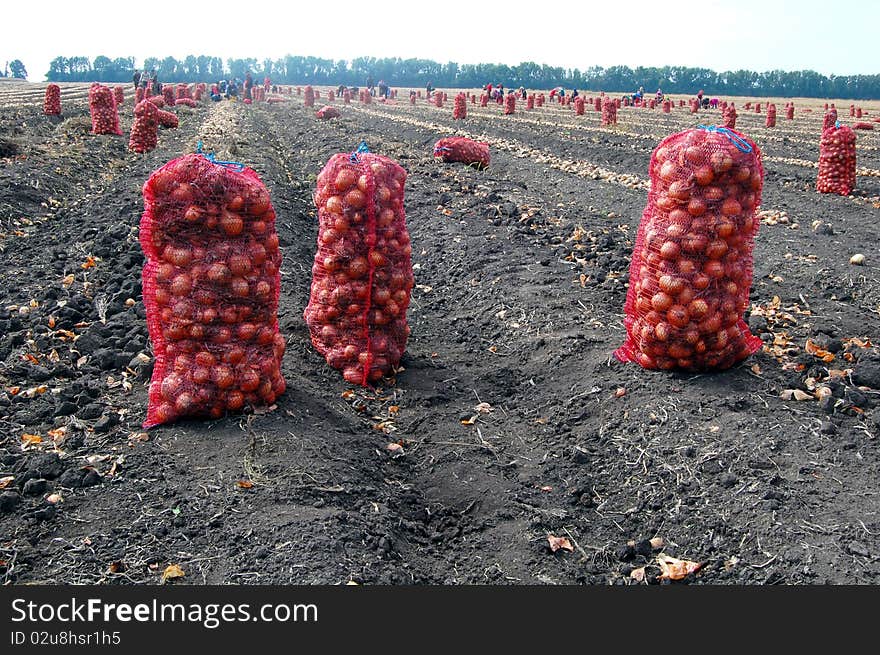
(672, 568)
(172, 571)
(557, 543)
(638, 574)
(817, 351)
(244, 484)
(795, 394)
(5, 481)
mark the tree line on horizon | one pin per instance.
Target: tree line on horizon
(415, 73)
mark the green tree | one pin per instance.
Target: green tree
(17, 69)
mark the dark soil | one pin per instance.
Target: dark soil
(521, 274)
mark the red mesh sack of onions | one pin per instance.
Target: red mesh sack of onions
(331, 96)
(327, 112)
(829, 119)
(578, 106)
(362, 276)
(461, 149)
(118, 95)
(309, 98)
(691, 268)
(438, 99)
(346, 97)
(159, 101)
(52, 101)
(145, 129)
(484, 100)
(771, 116)
(182, 91)
(168, 94)
(837, 161)
(186, 102)
(789, 112)
(102, 107)
(138, 95)
(510, 104)
(609, 111)
(861, 125)
(210, 286)
(530, 101)
(858, 112)
(459, 109)
(728, 117)
(168, 119)
(667, 107)
(412, 99)
(540, 100)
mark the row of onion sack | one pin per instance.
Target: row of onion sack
(211, 282)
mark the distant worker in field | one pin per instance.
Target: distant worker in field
(266, 84)
(157, 87)
(370, 84)
(383, 89)
(659, 95)
(248, 86)
(574, 94)
(136, 78)
(522, 93)
(429, 89)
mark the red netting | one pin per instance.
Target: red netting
(317, 94)
(438, 99)
(473, 98)
(327, 112)
(771, 116)
(145, 129)
(309, 98)
(728, 117)
(484, 100)
(667, 107)
(168, 94)
(138, 95)
(52, 101)
(864, 126)
(182, 91)
(609, 111)
(168, 118)
(858, 112)
(346, 97)
(331, 96)
(186, 102)
(459, 110)
(652, 103)
(118, 95)
(102, 107)
(597, 103)
(298, 91)
(510, 104)
(691, 267)
(210, 286)
(578, 106)
(852, 111)
(460, 149)
(829, 119)
(789, 112)
(367, 98)
(837, 161)
(540, 100)
(758, 108)
(362, 276)
(159, 101)
(412, 98)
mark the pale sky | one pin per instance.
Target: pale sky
(841, 38)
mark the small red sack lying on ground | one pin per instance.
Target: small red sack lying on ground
(863, 126)
(837, 161)
(186, 102)
(459, 110)
(168, 119)
(210, 286)
(309, 98)
(460, 149)
(118, 95)
(52, 101)
(102, 106)
(691, 267)
(145, 129)
(362, 276)
(327, 112)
